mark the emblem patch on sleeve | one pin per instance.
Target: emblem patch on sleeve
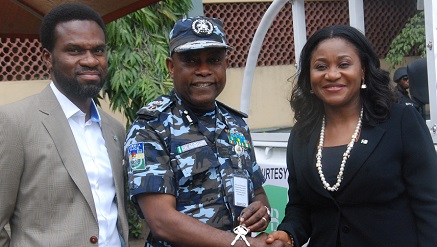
(137, 160)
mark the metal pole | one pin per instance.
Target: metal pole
(299, 28)
(430, 10)
(254, 50)
(356, 15)
(197, 8)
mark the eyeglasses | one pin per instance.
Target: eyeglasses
(404, 78)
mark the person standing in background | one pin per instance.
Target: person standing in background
(61, 179)
(400, 77)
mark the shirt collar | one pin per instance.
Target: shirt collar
(70, 109)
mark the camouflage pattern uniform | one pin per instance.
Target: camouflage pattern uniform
(170, 150)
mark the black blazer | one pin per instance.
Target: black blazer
(388, 196)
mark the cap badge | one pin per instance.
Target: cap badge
(202, 27)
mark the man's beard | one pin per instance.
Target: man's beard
(71, 86)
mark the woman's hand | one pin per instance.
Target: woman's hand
(281, 236)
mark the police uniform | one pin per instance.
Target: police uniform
(401, 93)
(404, 98)
(171, 150)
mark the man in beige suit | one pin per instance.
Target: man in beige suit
(61, 174)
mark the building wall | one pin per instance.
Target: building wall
(268, 101)
(269, 109)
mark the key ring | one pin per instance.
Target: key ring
(241, 232)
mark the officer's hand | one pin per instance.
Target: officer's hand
(255, 217)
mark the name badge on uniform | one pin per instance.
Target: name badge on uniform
(241, 190)
(190, 146)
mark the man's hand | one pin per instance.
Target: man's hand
(255, 217)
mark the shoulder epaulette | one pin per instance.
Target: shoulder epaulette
(155, 107)
(237, 112)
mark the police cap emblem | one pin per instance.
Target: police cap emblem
(202, 27)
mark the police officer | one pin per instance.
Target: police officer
(400, 77)
(191, 163)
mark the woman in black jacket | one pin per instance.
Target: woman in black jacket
(363, 169)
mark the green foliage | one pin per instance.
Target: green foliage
(134, 221)
(411, 41)
(137, 50)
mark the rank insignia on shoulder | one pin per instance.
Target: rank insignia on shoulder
(137, 160)
(154, 108)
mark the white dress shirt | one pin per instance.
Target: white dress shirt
(92, 148)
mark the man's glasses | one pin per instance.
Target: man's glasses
(404, 78)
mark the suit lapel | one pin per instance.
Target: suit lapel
(369, 139)
(305, 161)
(57, 126)
(313, 175)
(112, 142)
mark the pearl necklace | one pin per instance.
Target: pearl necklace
(345, 155)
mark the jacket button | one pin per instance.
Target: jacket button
(94, 240)
(345, 229)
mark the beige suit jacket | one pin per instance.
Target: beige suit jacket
(44, 190)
